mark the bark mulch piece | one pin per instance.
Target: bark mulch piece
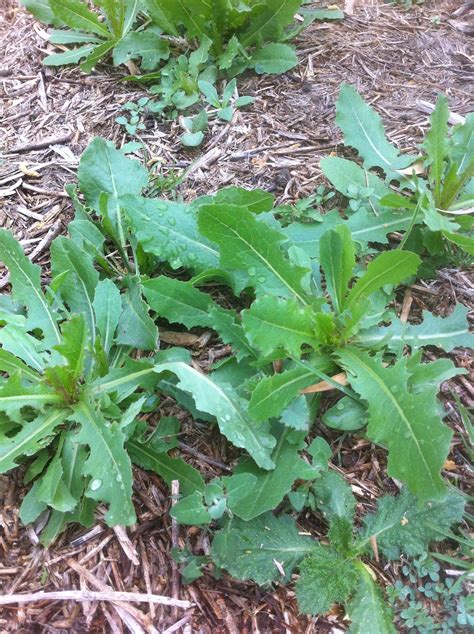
(399, 60)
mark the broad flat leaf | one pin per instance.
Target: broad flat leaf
(108, 464)
(135, 326)
(325, 577)
(10, 364)
(273, 322)
(334, 496)
(103, 168)
(76, 15)
(162, 16)
(403, 524)
(252, 248)
(230, 331)
(169, 231)
(347, 177)
(14, 339)
(367, 609)
(464, 242)
(444, 332)
(42, 11)
(191, 510)
(145, 456)
(271, 486)
(146, 45)
(346, 415)
(195, 16)
(436, 146)
(363, 130)
(274, 393)
(423, 375)
(365, 227)
(122, 382)
(178, 302)
(248, 550)
(268, 21)
(72, 56)
(77, 287)
(52, 490)
(73, 346)
(229, 410)
(107, 307)
(337, 256)
(30, 439)
(26, 285)
(274, 59)
(256, 200)
(390, 267)
(407, 424)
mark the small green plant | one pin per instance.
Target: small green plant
(136, 113)
(307, 209)
(434, 207)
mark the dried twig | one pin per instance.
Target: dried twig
(92, 595)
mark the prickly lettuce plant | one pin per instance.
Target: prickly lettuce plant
(428, 197)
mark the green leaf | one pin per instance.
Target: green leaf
(229, 410)
(337, 255)
(268, 21)
(230, 331)
(271, 487)
(363, 130)
(72, 56)
(444, 332)
(72, 37)
(26, 285)
(367, 609)
(145, 45)
(14, 339)
(178, 302)
(346, 415)
(191, 510)
(407, 424)
(255, 200)
(107, 306)
(77, 16)
(108, 463)
(435, 145)
(79, 284)
(42, 11)
(169, 231)
(14, 396)
(274, 393)
(390, 267)
(162, 15)
(252, 248)
(135, 326)
(103, 168)
(144, 455)
(248, 550)
(73, 346)
(273, 322)
(10, 364)
(403, 524)
(52, 490)
(334, 497)
(274, 59)
(464, 242)
(192, 139)
(30, 439)
(194, 16)
(326, 577)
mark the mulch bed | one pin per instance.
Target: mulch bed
(399, 60)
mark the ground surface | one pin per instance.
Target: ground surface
(399, 60)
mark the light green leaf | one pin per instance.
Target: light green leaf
(337, 256)
(42, 11)
(390, 267)
(268, 21)
(162, 16)
(229, 410)
(248, 550)
(271, 487)
(26, 285)
(103, 168)
(363, 130)
(230, 331)
(326, 577)
(135, 326)
(14, 339)
(107, 306)
(31, 438)
(252, 248)
(255, 200)
(73, 346)
(435, 145)
(274, 59)
(148, 46)
(52, 490)
(407, 424)
(334, 497)
(403, 524)
(72, 37)
(169, 231)
(444, 332)
(191, 510)
(76, 15)
(346, 415)
(72, 56)
(464, 242)
(367, 609)
(346, 176)
(10, 364)
(273, 322)
(108, 464)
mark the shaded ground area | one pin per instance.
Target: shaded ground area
(399, 60)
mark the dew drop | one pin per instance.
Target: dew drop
(261, 279)
(340, 405)
(252, 271)
(172, 221)
(95, 484)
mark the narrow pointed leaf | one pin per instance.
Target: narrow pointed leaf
(368, 610)
(107, 306)
(436, 145)
(76, 15)
(337, 255)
